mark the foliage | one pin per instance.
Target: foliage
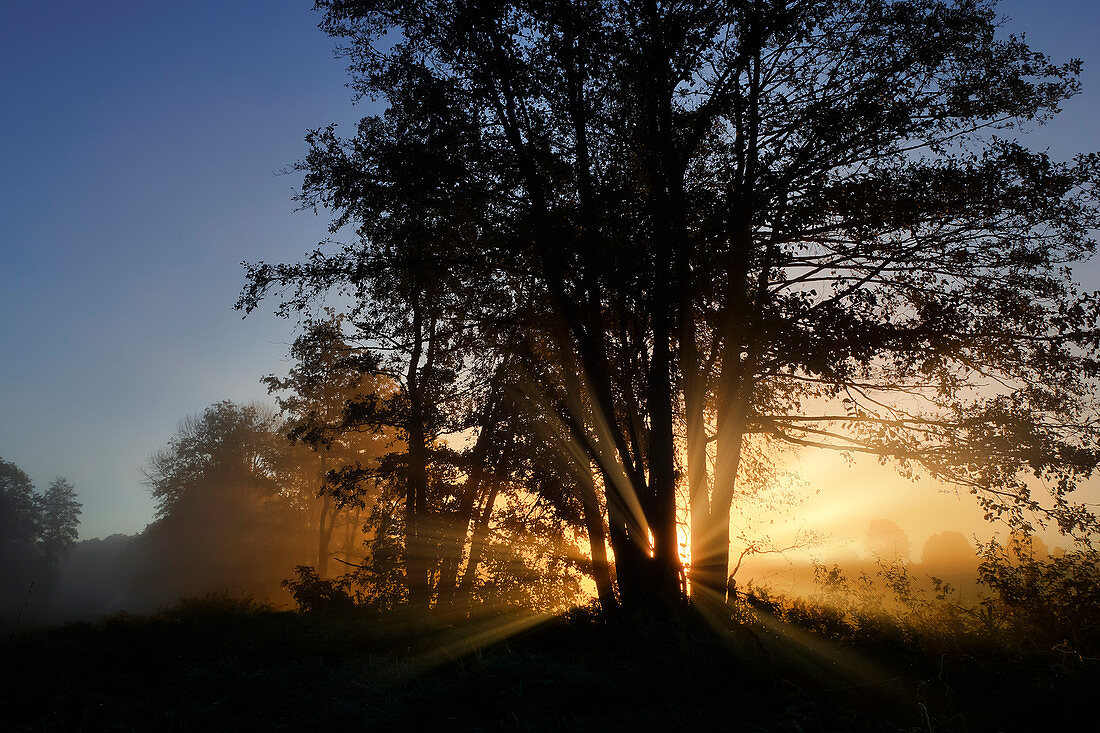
(327, 377)
(1044, 608)
(36, 531)
(314, 594)
(690, 226)
(382, 578)
(213, 606)
(229, 448)
(227, 511)
(59, 513)
(1048, 602)
(18, 515)
(530, 566)
(236, 512)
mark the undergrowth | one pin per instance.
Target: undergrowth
(864, 654)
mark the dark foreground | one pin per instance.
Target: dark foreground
(220, 664)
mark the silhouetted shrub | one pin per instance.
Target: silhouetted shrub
(314, 594)
(1046, 607)
(1044, 602)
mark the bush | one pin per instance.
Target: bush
(1046, 602)
(1038, 607)
(314, 594)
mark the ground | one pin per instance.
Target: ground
(221, 664)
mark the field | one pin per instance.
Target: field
(220, 663)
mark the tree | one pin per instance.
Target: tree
(801, 220)
(59, 518)
(36, 531)
(886, 541)
(228, 515)
(18, 515)
(19, 558)
(327, 376)
(403, 310)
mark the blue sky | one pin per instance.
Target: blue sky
(141, 141)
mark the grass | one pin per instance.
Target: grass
(223, 663)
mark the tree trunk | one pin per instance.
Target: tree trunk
(477, 545)
(597, 542)
(704, 545)
(416, 549)
(455, 539)
(712, 574)
(666, 567)
(460, 526)
(416, 561)
(351, 528)
(323, 536)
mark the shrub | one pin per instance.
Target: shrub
(314, 594)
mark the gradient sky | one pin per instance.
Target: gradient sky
(141, 142)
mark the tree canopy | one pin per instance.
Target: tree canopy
(688, 228)
(37, 530)
(229, 501)
(59, 514)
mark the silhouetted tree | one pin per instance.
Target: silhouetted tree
(949, 556)
(791, 219)
(1041, 601)
(328, 374)
(227, 516)
(59, 519)
(18, 513)
(415, 319)
(886, 541)
(36, 531)
(19, 557)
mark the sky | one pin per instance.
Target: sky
(141, 148)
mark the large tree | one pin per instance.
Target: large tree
(806, 222)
